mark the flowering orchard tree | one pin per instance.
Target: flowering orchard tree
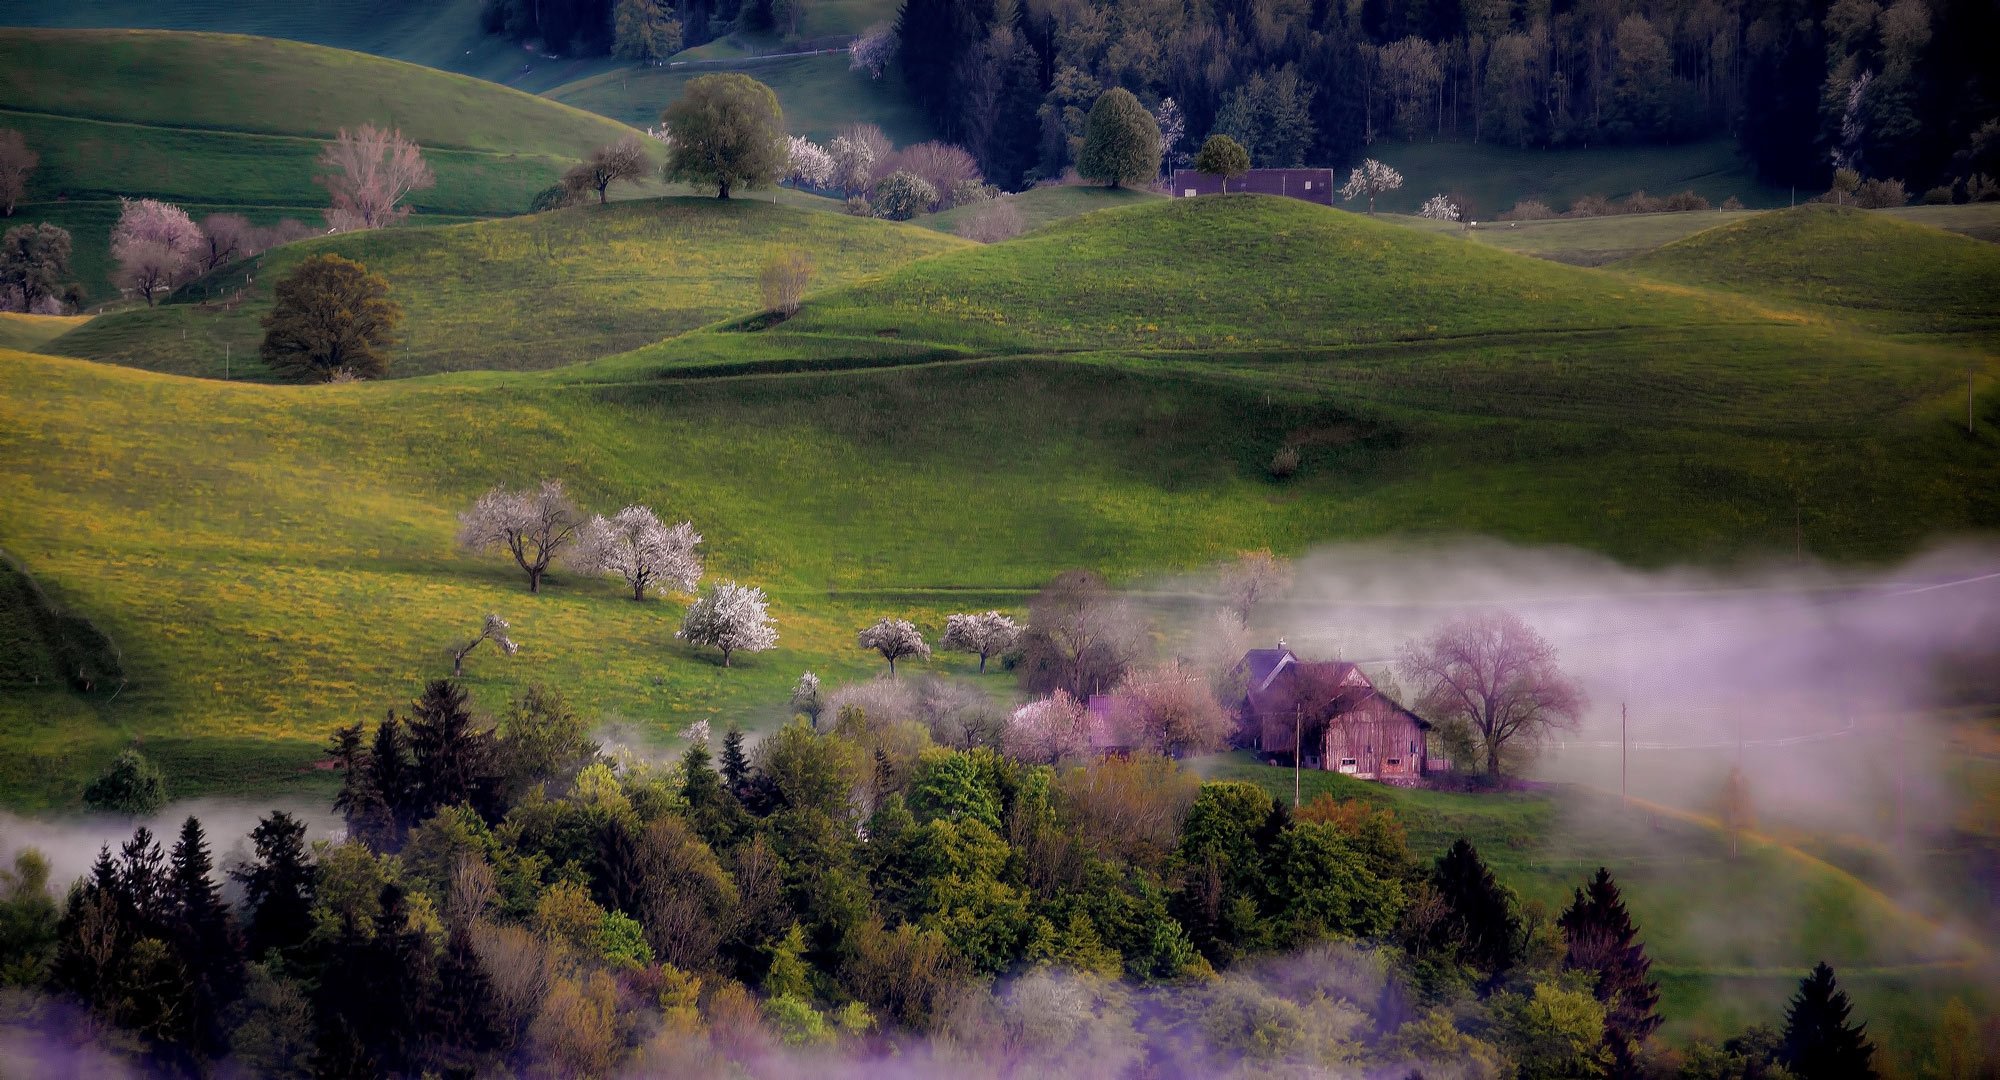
(1054, 729)
(1173, 128)
(854, 161)
(805, 696)
(730, 617)
(1172, 710)
(985, 635)
(1439, 208)
(532, 525)
(368, 172)
(807, 164)
(872, 50)
(1253, 578)
(1371, 179)
(495, 631)
(636, 545)
(624, 161)
(156, 245)
(895, 639)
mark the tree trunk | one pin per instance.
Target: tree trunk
(639, 591)
(892, 666)
(982, 663)
(534, 579)
(722, 192)
(1493, 761)
(602, 194)
(725, 658)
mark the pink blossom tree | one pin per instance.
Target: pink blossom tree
(156, 245)
(368, 172)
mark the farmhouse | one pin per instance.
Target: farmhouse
(1331, 715)
(1311, 185)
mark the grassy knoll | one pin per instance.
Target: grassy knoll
(1487, 179)
(28, 333)
(1786, 910)
(527, 292)
(818, 94)
(1042, 205)
(1850, 264)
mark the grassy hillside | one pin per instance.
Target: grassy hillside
(527, 292)
(1847, 263)
(1042, 205)
(819, 95)
(28, 333)
(1487, 179)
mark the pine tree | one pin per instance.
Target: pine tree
(91, 936)
(461, 1026)
(1819, 1042)
(453, 760)
(360, 802)
(279, 886)
(715, 814)
(394, 783)
(1602, 940)
(1482, 912)
(735, 763)
(206, 939)
(142, 883)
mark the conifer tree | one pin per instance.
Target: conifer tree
(1121, 142)
(735, 763)
(1601, 939)
(360, 802)
(1482, 912)
(452, 759)
(715, 814)
(206, 939)
(462, 1025)
(1819, 1043)
(394, 782)
(278, 886)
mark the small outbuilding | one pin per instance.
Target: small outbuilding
(1311, 185)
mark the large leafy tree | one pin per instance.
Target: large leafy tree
(1121, 141)
(1493, 673)
(1222, 156)
(727, 132)
(1819, 1043)
(623, 161)
(1602, 941)
(330, 316)
(33, 261)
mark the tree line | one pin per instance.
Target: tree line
(509, 897)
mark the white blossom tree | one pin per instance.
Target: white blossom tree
(533, 525)
(637, 546)
(1371, 179)
(368, 172)
(806, 697)
(985, 635)
(156, 245)
(853, 162)
(1172, 710)
(495, 631)
(1173, 128)
(1439, 208)
(807, 164)
(1054, 729)
(895, 639)
(1252, 579)
(872, 50)
(732, 618)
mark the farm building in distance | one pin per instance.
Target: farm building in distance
(1332, 716)
(1311, 185)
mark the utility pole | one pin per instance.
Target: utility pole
(1970, 374)
(1298, 745)
(1623, 796)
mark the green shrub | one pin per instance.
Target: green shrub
(131, 786)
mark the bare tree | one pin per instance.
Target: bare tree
(156, 246)
(532, 525)
(368, 172)
(635, 545)
(1080, 637)
(493, 630)
(623, 161)
(996, 221)
(895, 639)
(230, 237)
(17, 163)
(785, 280)
(985, 635)
(1491, 670)
(941, 165)
(1252, 579)
(1173, 710)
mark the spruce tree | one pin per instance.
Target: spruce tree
(278, 886)
(1482, 912)
(715, 814)
(1819, 1043)
(206, 939)
(360, 803)
(461, 1026)
(394, 784)
(452, 758)
(735, 763)
(1601, 939)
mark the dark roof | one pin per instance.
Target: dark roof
(1262, 664)
(1272, 681)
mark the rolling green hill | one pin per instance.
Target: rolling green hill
(526, 292)
(236, 123)
(1042, 205)
(28, 333)
(1846, 263)
(1487, 179)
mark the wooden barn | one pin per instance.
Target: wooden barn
(1311, 185)
(1332, 715)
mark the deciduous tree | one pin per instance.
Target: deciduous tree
(731, 618)
(895, 639)
(808, 165)
(1121, 141)
(1080, 637)
(494, 629)
(230, 237)
(34, 260)
(132, 785)
(728, 132)
(636, 545)
(1439, 208)
(1372, 178)
(901, 196)
(533, 525)
(621, 162)
(984, 634)
(367, 173)
(785, 280)
(1222, 156)
(17, 163)
(1051, 730)
(1253, 578)
(872, 50)
(644, 31)
(155, 245)
(1171, 709)
(330, 317)
(1493, 671)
